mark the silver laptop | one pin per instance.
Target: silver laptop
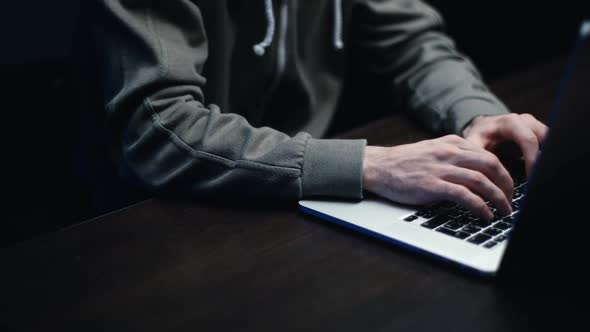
(444, 230)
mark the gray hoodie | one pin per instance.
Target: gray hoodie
(232, 98)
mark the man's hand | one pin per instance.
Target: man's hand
(523, 129)
(447, 168)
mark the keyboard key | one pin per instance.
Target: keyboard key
(480, 223)
(471, 229)
(477, 221)
(490, 244)
(501, 238)
(427, 215)
(424, 212)
(508, 220)
(503, 226)
(453, 225)
(479, 238)
(457, 234)
(410, 218)
(497, 217)
(435, 222)
(441, 211)
(462, 220)
(455, 213)
(492, 231)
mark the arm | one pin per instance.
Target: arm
(403, 42)
(164, 135)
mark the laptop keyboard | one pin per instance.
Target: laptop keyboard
(456, 221)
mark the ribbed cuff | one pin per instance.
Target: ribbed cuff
(465, 110)
(333, 168)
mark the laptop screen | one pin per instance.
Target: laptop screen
(575, 73)
(550, 238)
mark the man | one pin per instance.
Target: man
(231, 99)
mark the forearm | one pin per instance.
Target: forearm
(184, 147)
(168, 140)
(405, 43)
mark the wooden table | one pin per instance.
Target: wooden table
(193, 266)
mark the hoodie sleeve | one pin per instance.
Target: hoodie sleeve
(152, 55)
(403, 41)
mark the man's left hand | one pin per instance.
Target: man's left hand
(523, 129)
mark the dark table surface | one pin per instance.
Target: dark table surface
(169, 265)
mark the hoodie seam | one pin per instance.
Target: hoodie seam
(163, 65)
(238, 163)
(305, 147)
(184, 146)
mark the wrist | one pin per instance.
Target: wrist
(370, 173)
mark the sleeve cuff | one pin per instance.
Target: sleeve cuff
(334, 168)
(465, 110)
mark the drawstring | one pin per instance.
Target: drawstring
(585, 29)
(270, 29)
(261, 47)
(338, 44)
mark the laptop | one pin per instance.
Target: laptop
(550, 220)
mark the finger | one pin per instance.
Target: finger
(487, 163)
(524, 137)
(478, 183)
(461, 195)
(539, 128)
(477, 140)
(460, 142)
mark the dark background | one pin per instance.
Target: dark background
(40, 116)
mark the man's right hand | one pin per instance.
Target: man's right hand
(449, 168)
